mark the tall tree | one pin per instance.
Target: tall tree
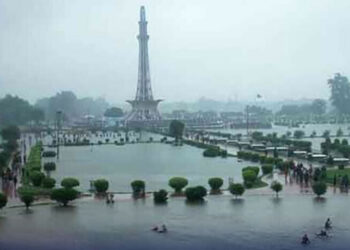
(71, 106)
(318, 106)
(113, 112)
(16, 111)
(10, 133)
(340, 93)
(176, 129)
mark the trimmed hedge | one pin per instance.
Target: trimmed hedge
(64, 195)
(237, 189)
(267, 169)
(48, 182)
(101, 185)
(3, 200)
(70, 182)
(195, 193)
(161, 196)
(178, 183)
(215, 183)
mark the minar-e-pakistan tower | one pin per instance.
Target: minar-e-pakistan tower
(144, 107)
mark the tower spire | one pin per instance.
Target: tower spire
(144, 106)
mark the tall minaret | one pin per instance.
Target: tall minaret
(144, 107)
(144, 90)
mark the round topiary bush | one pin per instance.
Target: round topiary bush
(161, 196)
(211, 152)
(36, 178)
(49, 154)
(249, 176)
(27, 198)
(3, 200)
(138, 187)
(253, 168)
(319, 188)
(178, 183)
(70, 182)
(49, 166)
(276, 186)
(48, 182)
(236, 189)
(101, 185)
(215, 184)
(195, 193)
(267, 169)
(64, 195)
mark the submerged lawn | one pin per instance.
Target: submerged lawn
(337, 172)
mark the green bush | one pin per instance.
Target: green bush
(255, 158)
(27, 197)
(253, 168)
(267, 169)
(161, 196)
(36, 178)
(298, 134)
(215, 183)
(211, 152)
(64, 195)
(236, 189)
(249, 177)
(276, 186)
(101, 185)
(270, 160)
(178, 183)
(70, 182)
(49, 154)
(319, 188)
(3, 200)
(48, 182)
(195, 193)
(49, 166)
(138, 187)
(34, 190)
(262, 159)
(341, 167)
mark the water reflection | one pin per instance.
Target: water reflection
(277, 201)
(319, 200)
(202, 202)
(252, 222)
(237, 201)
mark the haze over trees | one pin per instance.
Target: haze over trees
(340, 93)
(71, 106)
(114, 112)
(317, 107)
(16, 111)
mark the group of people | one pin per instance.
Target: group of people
(322, 234)
(300, 174)
(109, 198)
(9, 181)
(162, 229)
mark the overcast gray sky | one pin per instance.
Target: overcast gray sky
(218, 49)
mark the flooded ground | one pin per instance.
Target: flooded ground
(154, 163)
(308, 129)
(255, 222)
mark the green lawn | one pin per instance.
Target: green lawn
(338, 172)
(258, 184)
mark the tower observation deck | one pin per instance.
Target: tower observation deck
(144, 106)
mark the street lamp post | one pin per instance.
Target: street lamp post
(58, 125)
(247, 119)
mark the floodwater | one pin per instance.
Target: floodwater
(155, 163)
(254, 222)
(308, 129)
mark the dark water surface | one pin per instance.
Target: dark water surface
(154, 163)
(255, 222)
